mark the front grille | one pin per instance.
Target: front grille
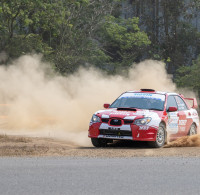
(116, 122)
(115, 132)
(104, 120)
(128, 121)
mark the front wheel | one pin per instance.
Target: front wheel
(98, 142)
(160, 137)
(193, 130)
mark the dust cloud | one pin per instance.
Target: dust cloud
(35, 100)
(3, 57)
(186, 141)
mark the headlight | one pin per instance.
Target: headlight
(142, 121)
(95, 119)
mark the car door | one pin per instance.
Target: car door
(173, 118)
(185, 120)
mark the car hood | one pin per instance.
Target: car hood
(129, 114)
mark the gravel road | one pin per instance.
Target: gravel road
(67, 175)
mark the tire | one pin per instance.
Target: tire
(193, 130)
(160, 137)
(98, 142)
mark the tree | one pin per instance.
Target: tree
(62, 30)
(77, 42)
(171, 29)
(188, 76)
(123, 40)
(20, 27)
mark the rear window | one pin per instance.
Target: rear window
(181, 104)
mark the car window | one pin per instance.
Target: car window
(171, 102)
(140, 100)
(181, 103)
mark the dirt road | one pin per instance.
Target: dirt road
(27, 146)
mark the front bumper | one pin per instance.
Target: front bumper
(126, 132)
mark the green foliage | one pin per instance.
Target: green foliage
(122, 39)
(32, 43)
(71, 33)
(62, 30)
(172, 29)
(77, 44)
(188, 76)
(23, 26)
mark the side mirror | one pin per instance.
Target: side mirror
(172, 109)
(106, 105)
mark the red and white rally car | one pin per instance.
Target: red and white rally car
(145, 115)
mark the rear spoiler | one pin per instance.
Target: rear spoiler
(195, 105)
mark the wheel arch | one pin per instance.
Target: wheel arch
(190, 127)
(164, 123)
(166, 135)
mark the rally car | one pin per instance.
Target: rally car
(145, 115)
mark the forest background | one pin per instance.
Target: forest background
(108, 34)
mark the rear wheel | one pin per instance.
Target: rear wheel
(98, 142)
(193, 130)
(160, 138)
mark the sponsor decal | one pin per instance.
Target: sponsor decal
(144, 95)
(182, 122)
(100, 111)
(173, 125)
(170, 120)
(114, 128)
(143, 127)
(129, 117)
(182, 128)
(123, 127)
(173, 121)
(173, 114)
(114, 136)
(120, 113)
(104, 116)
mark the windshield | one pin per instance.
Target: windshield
(150, 101)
